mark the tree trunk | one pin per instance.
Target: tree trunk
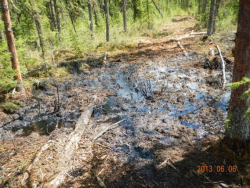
(58, 22)
(204, 9)
(40, 35)
(211, 17)
(95, 15)
(217, 5)
(11, 44)
(53, 24)
(239, 127)
(107, 19)
(91, 25)
(199, 7)
(135, 9)
(157, 8)
(71, 16)
(39, 29)
(124, 15)
(2, 35)
(148, 15)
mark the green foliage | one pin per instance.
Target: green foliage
(141, 15)
(11, 106)
(228, 121)
(6, 72)
(246, 94)
(235, 85)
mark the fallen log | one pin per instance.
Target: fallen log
(182, 48)
(71, 146)
(222, 67)
(198, 33)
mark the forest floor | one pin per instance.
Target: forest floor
(158, 120)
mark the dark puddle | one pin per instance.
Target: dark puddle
(151, 133)
(135, 95)
(110, 106)
(127, 89)
(43, 127)
(224, 101)
(190, 125)
(143, 153)
(189, 109)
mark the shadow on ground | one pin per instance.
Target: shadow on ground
(216, 158)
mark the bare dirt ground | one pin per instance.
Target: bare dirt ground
(170, 111)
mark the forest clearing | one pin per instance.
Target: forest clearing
(151, 113)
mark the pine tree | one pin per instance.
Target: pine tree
(11, 44)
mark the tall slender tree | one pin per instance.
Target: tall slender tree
(52, 15)
(107, 19)
(216, 11)
(211, 18)
(11, 44)
(39, 28)
(91, 18)
(58, 22)
(239, 125)
(124, 3)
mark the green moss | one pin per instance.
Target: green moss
(84, 67)
(227, 122)
(16, 102)
(10, 107)
(59, 72)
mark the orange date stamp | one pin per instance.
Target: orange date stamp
(216, 168)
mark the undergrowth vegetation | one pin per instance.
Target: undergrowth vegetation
(75, 38)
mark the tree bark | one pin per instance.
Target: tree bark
(217, 5)
(52, 15)
(58, 22)
(211, 17)
(124, 15)
(239, 127)
(91, 25)
(107, 19)
(11, 44)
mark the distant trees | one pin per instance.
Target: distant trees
(91, 24)
(48, 25)
(11, 44)
(214, 8)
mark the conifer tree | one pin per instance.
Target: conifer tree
(11, 44)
